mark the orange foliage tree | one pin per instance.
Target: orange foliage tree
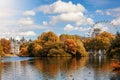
(1, 49)
(6, 45)
(70, 46)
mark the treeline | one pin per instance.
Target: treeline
(114, 48)
(100, 42)
(4, 47)
(49, 44)
(108, 43)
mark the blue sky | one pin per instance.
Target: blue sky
(29, 18)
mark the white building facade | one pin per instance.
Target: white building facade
(15, 45)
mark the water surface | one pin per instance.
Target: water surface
(66, 68)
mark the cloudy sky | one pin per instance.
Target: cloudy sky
(29, 18)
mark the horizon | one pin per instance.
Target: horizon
(30, 18)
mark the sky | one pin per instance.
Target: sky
(30, 18)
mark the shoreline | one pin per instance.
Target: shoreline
(10, 55)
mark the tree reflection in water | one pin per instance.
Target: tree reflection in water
(52, 67)
(59, 68)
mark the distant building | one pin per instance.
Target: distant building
(96, 32)
(23, 40)
(15, 45)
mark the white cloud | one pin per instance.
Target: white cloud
(78, 18)
(84, 29)
(17, 34)
(69, 28)
(108, 13)
(90, 21)
(8, 13)
(26, 21)
(18, 23)
(45, 23)
(70, 17)
(61, 7)
(16, 27)
(67, 17)
(100, 12)
(85, 21)
(116, 21)
(29, 13)
(113, 12)
(25, 25)
(103, 26)
(65, 12)
(28, 33)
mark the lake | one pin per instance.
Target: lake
(57, 68)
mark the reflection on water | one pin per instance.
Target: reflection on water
(52, 68)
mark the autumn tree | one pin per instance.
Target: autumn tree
(1, 49)
(36, 49)
(100, 42)
(81, 51)
(23, 49)
(23, 52)
(107, 35)
(93, 44)
(114, 48)
(6, 45)
(70, 46)
(106, 39)
(63, 37)
(88, 43)
(48, 36)
(48, 44)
